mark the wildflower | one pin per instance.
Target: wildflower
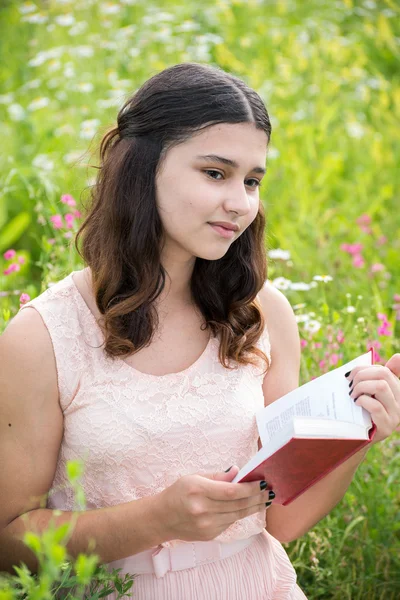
(69, 219)
(68, 199)
(318, 345)
(24, 298)
(85, 87)
(88, 128)
(350, 309)
(324, 278)
(12, 269)
(37, 103)
(376, 267)
(384, 328)
(363, 222)
(279, 254)
(65, 20)
(312, 326)
(57, 221)
(300, 286)
(281, 283)
(303, 343)
(41, 161)
(381, 240)
(358, 261)
(334, 359)
(352, 248)
(355, 129)
(340, 336)
(51, 241)
(9, 254)
(321, 364)
(16, 111)
(302, 318)
(21, 260)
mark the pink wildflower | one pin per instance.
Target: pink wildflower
(9, 254)
(69, 219)
(352, 248)
(24, 298)
(303, 343)
(318, 345)
(340, 336)
(51, 241)
(363, 222)
(384, 329)
(21, 260)
(381, 240)
(12, 269)
(57, 221)
(321, 364)
(334, 359)
(68, 199)
(377, 267)
(358, 261)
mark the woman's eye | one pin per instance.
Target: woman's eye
(258, 183)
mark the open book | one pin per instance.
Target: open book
(309, 432)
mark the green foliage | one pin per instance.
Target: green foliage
(329, 75)
(59, 575)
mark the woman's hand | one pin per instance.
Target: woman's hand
(377, 389)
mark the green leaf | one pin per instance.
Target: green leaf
(74, 470)
(12, 232)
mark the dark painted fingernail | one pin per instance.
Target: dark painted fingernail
(351, 383)
(263, 485)
(347, 374)
(228, 469)
(271, 495)
(268, 503)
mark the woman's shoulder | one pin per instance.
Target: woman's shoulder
(280, 319)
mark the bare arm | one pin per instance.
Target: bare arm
(287, 523)
(31, 429)
(112, 533)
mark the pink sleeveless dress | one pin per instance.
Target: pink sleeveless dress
(139, 433)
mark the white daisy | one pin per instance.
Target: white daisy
(324, 278)
(281, 283)
(279, 253)
(300, 286)
(312, 326)
(37, 103)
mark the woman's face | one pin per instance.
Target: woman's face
(193, 191)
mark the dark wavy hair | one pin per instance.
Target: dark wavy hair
(122, 230)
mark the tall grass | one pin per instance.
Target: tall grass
(329, 75)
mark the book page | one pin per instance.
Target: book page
(326, 397)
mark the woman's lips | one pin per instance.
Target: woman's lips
(226, 233)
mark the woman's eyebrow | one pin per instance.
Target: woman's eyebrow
(227, 161)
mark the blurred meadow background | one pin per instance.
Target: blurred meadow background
(328, 72)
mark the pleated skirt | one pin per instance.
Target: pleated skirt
(262, 571)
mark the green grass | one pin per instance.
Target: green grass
(329, 75)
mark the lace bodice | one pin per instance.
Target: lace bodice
(138, 433)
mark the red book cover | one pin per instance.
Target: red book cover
(303, 460)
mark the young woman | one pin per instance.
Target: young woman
(150, 362)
